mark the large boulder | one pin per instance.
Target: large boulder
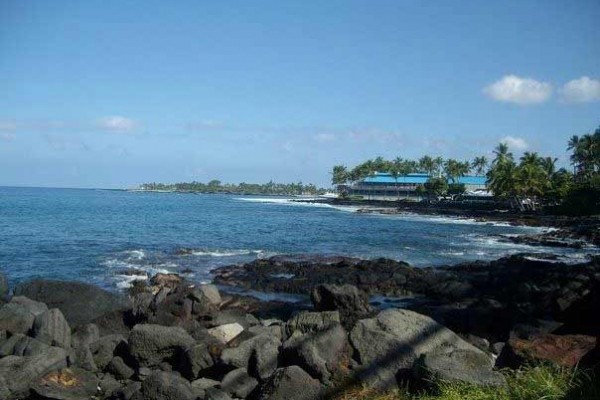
(258, 355)
(321, 353)
(226, 333)
(152, 344)
(238, 383)
(85, 335)
(80, 303)
(34, 307)
(166, 386)
(290, 383)
(458, 365)
(564, 350)
(308, 321)
(388, 344)
(66, 384)
(21, 345)
(16, 318)
(52, 328)
(105, 348)
(197, 359)
(351, 302)
(209, 292)
(20, 372)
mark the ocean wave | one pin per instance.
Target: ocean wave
(298, 203)
(224, 253)
(135, 254)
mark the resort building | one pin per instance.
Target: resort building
(384, 186)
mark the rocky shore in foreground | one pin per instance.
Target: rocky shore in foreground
(172, 339)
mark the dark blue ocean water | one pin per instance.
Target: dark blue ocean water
(111, 237)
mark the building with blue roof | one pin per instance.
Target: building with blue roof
(385, 185)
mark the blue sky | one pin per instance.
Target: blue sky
(116, 93)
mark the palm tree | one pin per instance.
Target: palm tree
(549, 166)
(502, 154)
(339, 176)
(427, 164)
(480, 164)
(455, 169)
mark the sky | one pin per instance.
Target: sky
(112, 94)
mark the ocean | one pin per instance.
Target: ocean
(111, 238)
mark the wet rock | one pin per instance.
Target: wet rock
(16, 318)
(389, 344)
(258, 355)
(80, 303)
(119, 369)
(19, 372)
(290, 383)
(152, 344)
(320, 353)
(458, 365)
(351, 302)
(170, 281)
(238, 383)
(52, 328)
(166, 386)
(226, 333)
(66, 384)
(307, 321)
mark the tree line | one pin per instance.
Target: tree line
(216, 186)
(531, 176)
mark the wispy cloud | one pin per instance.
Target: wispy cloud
(7, 137)
(117, 124)
(516, 143)
(582, 90)
(325, 137)
(517, 90)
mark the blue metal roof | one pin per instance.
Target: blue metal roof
(416, 179)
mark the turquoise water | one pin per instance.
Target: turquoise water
(112, 237)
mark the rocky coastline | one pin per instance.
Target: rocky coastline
(173, 339)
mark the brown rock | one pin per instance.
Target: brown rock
(565, 350)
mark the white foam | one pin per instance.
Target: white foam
(296, 203)
(224, 253)
(135, 254)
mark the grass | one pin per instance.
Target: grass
(541, 382)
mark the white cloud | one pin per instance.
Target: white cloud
(7, 137)
(325, 137)
(582, 90)
(515, 142)
(522, 91)
(117, 124)
(7, 126)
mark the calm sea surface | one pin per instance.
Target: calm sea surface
(112, 237)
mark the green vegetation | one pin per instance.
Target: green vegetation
(532, 176)
(544, 382)
(215, 186)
